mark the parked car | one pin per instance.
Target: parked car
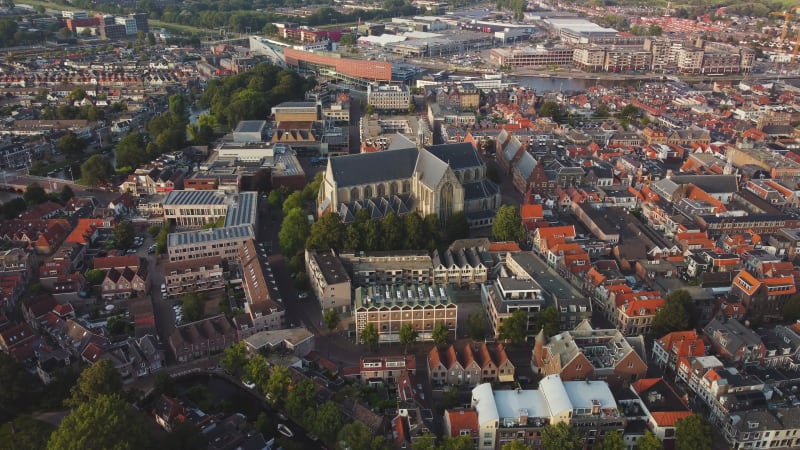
(284, 430)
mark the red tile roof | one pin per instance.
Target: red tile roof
(463, 419)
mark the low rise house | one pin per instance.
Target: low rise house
(462, 422)
(763, 428)
(199, 339)
(669, 349)
(122, 284)
(660, 406)
(733, 341)
(469, 365)
(386, 369)
(586, 353)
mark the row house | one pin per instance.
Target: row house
(388, 267)
(152, 180)
(764, 298)
(726, 390)
(469, 366)
(15, 260)
(569, 256)
(202, 274)
(586, 353)
(12, 285)
(386, 369)
(202, 338)
(733, 341)
(636, 315)
(782, 347)
(132, 358)
(545, 237)
(461, 267)
(122, 284)
(18, 341)
(66, 260)
(762, 428)
(262, 311)
(669, 349)
(660, 407)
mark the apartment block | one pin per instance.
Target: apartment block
(329, 280)
(506, 295)
(197, 275)
(217, 242)
(389, 267)
(388, 97)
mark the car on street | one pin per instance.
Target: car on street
(302, 295)
(282, 416)
(248, 384)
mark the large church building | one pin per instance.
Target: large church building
(438, 179)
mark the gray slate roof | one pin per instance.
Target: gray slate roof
(430, 168)
(458, 156)
(713, 184)
(368, 168)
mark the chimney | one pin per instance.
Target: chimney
(523, 417)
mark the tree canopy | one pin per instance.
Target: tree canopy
(561, 436)
(71, 146)
(101, 423)
(234, 358)
(95, 170)
(131, 150)
(124, 234)
(16, 384)
(649, 442)
(294, 232)
(193, 306)
(355, 436)
(278, 385)
(507, 224)
(693, 433)
(440, 333)
(677, 314)
(408, 335)
(548, 319)
(99, 379)
(612, 441)
(327, 232)
(514, 328)
(369, 335)
(34, 194)
(252, 94)
(331, 319)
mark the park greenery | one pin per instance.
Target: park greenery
(165, 132)
(252, 94)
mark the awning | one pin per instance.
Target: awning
(506, 378)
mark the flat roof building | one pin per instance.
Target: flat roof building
(194, 209)
(223, 242)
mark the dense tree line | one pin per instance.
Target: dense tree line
(252, 94)
(241, 16)
(167, 132)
